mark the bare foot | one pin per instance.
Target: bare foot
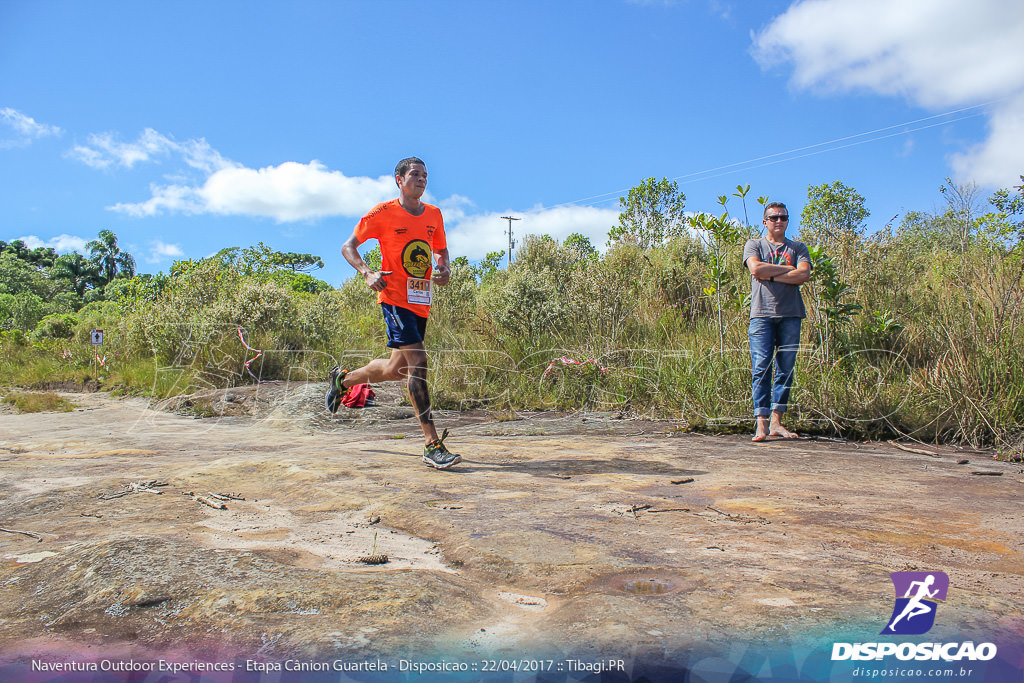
(779, 430)
(761, 433)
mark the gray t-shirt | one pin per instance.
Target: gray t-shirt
(776, 299)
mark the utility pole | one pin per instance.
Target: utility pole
(511, 242)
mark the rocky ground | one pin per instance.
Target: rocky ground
(582, 535)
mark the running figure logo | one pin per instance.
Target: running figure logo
(917, 598)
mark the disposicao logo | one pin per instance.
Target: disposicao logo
(917, 597)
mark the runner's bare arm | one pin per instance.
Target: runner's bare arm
(374, 280)
(442, 271)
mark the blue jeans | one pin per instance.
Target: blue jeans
(773, 342)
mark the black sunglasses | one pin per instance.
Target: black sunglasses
(776, 219)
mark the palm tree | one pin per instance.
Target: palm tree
(79, 271)
(109, 258)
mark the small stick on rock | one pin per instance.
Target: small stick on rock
(212, 503)
(914, 450)
(23, 533)
(685, 480)
(987, 473)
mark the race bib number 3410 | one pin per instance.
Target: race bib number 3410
(418, 291)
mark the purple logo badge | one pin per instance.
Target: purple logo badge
(917, 598)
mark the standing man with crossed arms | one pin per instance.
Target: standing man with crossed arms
(778, 266)
(411, 234)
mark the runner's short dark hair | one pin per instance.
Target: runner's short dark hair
(772, 205)
(403, 166)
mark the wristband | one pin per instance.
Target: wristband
(771, 279)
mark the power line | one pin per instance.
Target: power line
(787, 155)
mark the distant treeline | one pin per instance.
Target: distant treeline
(913, 328)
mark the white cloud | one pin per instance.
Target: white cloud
(475, 236)
(454, 208)
(167, 198)
(62, 244)
(161, 251)
(288, 192)
(999, 160)
(293, 191)
(25, 128)
(936, 53)
(104, 150)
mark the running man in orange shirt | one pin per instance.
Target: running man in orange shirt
(411, 237)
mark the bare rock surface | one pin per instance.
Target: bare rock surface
(562, 534)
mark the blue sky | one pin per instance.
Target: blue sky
(188, 127)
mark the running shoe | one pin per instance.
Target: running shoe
(436, 455)
(335, 390)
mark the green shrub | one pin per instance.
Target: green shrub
(56, 326)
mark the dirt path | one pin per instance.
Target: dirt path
(560, 535)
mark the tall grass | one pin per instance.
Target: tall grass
(935, 355)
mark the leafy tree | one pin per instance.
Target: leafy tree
(16, 247)
(108, 257)
(6, 310)
(580, 245)
(1002, 278)
(962, 202)
(78, 272)
(741, 192)
(489, 265)
(144, 288)
(66, 302)
(720, 236)
(652, 213)
(373, 259)
(261, 261)
(40, 257)
(833, 219)
(17, 276)
(56, 326)
(257, 260)
(1007, 226)
(304, 282)
(834, 311)
(24, 311)
(229, 256)
(297, 263)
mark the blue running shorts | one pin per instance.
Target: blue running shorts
(404, 326)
